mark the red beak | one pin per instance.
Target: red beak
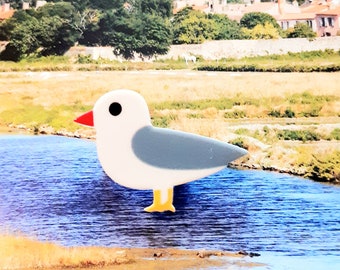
(85, 119)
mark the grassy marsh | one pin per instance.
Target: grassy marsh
(314, 61)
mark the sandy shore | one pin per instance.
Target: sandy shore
(17, 252)
(185, 259)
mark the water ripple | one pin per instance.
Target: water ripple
(54, 188)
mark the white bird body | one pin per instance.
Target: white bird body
(137, 155)
(132, 172)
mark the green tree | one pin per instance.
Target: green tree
(151, 20)
(226, 28)
(140, 27)
(117, 29)
(87, 15)
(81, 5)
(192, 27)
(132, 26)
(49, 29)
(154, 35)
(16, 4)
(23, 40)
(162, 8)
(301, 30)
(7, 27)
(268, 31)
(251, 19)
(61, 20)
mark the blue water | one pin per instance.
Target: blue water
(53, 188)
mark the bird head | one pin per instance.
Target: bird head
(118, 110)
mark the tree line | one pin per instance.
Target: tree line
(143, 27)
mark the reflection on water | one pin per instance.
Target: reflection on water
(53, 188)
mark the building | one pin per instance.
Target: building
(6, 12)
(328, 22)
(321, 15)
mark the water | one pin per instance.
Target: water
(53, 188)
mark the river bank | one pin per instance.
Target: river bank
(291, 157)
(25, 253)
(19, 252)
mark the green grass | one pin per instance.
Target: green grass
(235, 114)
(85, 63)
(314, 61)
(220, 104)
(308, 98)
(240, 142)
(36, 116)
(323, 167)
(50, 63)
(270, 136)
(298, 135)
(312, 105)
(58, 117)
(163, 121)
(335, 134)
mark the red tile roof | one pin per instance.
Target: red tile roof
(332, 11)
(297, 16)
(315, 7)
(260, 7)
(194, 7)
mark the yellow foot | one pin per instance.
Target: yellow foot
(160, 205)
(159, 208)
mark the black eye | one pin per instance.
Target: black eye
(115, 108)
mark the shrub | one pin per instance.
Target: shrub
(240, 142)
(235, 114)
(267, 31)
(313, 112)
(301, 30)
(84, 59)
(308, 98)
(266, 130)
(288, 113)
(335, 134)
(298, 135)
(274, 113)
(325, 168)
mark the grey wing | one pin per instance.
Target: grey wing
(165, 148)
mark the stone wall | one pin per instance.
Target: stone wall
(240, 48)
(225, 48)
(94, 52)
(214, 50)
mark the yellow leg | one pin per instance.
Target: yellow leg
(158, 205)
